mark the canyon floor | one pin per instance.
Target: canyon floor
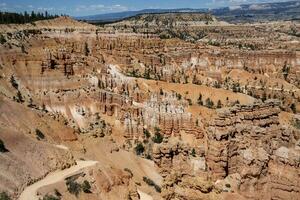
(157, 106)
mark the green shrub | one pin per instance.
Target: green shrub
(4, 196)
(178, 96)
(39, 134)
(19, 97)
(50, 197)
(219, 104)
(129, 171)
(296, 123)
(57, 193)
(151, 183)
(148, 156)
(23, 49)
(139, 149)
(293, 108)
(161, 92)
(146, 133)
(148, 181)
(193, 153)
(199, 101)
(73, 187)
(157, 188)
(157, 138)
(14, 82)
(2, 39)
(86, 187)
(86, 49)
(147, 74)
(209, 103)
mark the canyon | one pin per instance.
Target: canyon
(157, 106)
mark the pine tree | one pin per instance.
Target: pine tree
(264, 97)
(14, 82)
(209, 103)
(23, 48)
(19, 97)
(219, 104)
(2, 147)
(193, 153)
(20, 18)
(199, 101)
(293, 108)
(86, 49)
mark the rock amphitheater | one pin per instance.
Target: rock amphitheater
(202, 109)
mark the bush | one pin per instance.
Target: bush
(219, 104)
(296, 123)
(157, 138)
(50, 197)
(148, 181)
(14, 82)
(199, 101)
(19, 97)
(236, 87)
(148, 157)
(57, 193)
(86, 49)
(73, 187)
(86, 187)
(4, 196)
(23, 49)
(2, 147)
(293, 108)
(146, 133)
(178, 96)
(139, 149)
(39, 134)
(147, 74)
(161, 92)
(2, 39)
(209, 103)
(193, 153)
(157, 188)
(264, 97)
(129, 171)
(151, 183)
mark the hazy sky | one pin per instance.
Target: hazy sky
(91, 7)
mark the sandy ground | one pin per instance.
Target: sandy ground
(192, 91)
(100, 150)
(144, 196)
(30, 192)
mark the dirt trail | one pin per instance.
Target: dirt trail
(30, 192)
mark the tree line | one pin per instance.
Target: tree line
(21, 18)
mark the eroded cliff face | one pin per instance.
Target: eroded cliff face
(246, 140)
(194, 108)
(244, 149)
(31, 140)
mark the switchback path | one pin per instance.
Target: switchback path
(30, 192)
